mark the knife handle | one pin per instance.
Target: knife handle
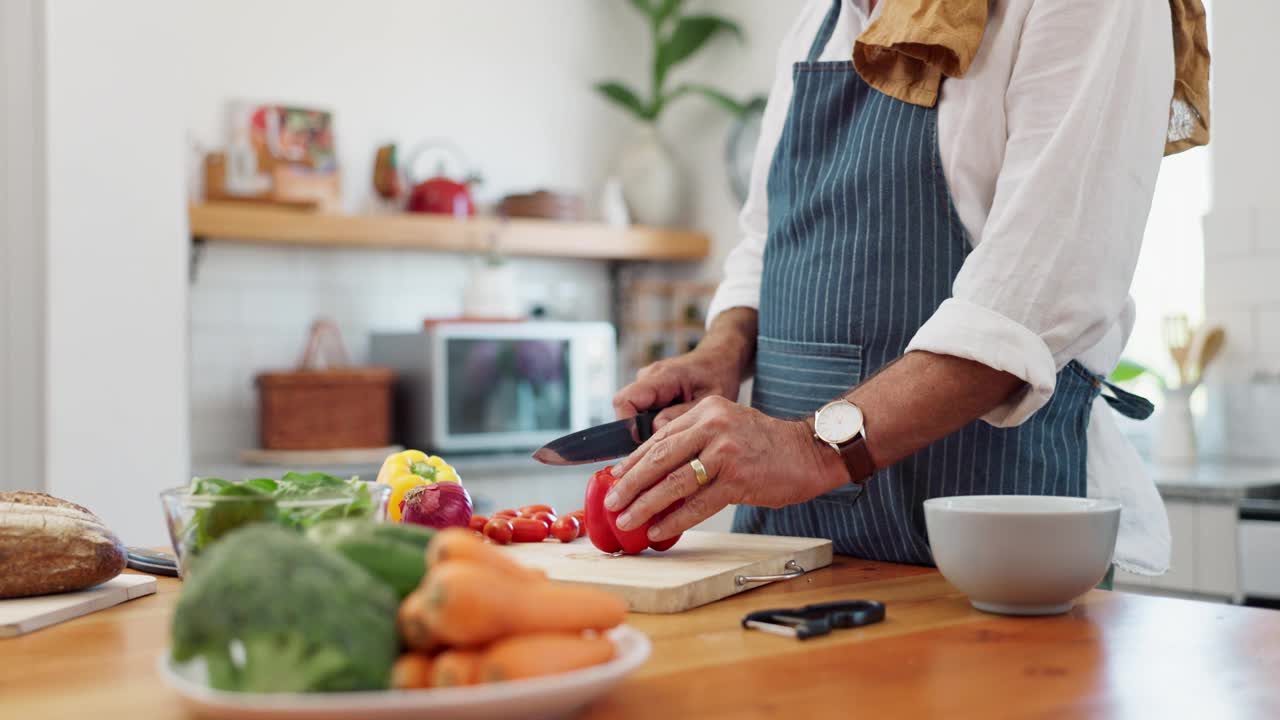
(644, 420)
(644, 424)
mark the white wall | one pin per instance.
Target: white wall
(22, 264)
(508, 82)
(116, 395)
(1242, 231)
(1242, 236)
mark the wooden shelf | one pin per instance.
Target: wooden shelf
(245, 223)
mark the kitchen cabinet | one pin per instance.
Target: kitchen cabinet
(1182, 527)
(1216, 556)
(1260, 569)
(1204, 552)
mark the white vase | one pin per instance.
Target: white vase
(491, 291)
(1174, 440)
(651, 180)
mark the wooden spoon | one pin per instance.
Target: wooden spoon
(1177, 335)
(1210, 345)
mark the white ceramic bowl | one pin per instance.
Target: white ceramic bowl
(552, 696)
(1022, 554)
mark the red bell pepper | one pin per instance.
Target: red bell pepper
(602, 524)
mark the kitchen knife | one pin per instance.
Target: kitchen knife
(151, 561)
(602, 442)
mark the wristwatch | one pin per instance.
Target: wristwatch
(839, 424)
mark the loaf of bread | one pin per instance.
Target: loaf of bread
(49, 545)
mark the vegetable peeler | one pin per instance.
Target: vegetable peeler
(814, 620)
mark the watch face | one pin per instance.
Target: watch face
(838, 422)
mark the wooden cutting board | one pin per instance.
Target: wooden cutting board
(22, 615)
(702, 568)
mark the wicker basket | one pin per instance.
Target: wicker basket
(325, 404)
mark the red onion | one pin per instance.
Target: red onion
(437, 505)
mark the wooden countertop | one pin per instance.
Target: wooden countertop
(1115, 655)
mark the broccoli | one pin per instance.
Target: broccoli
(270, 611)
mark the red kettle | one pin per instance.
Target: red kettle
(439, 194)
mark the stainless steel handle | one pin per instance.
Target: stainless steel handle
(793, 570)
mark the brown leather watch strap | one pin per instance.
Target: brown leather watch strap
(858, 459)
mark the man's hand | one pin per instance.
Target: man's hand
(715, 368)
(750, 459)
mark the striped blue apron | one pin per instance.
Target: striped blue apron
(863, 246)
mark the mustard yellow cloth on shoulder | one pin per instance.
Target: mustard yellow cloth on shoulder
(907, 51)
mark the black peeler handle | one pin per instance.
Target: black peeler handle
(821, 618)
(856, 613)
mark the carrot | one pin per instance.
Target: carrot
(533, 655)
(411, 671)
(468, 605)
(411, 621)
(460, 544)
(454, 668)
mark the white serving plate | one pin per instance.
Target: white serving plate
(545, 697)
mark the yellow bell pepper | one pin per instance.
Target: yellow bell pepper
(410, 468)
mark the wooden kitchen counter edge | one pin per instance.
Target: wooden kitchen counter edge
(1114, 655)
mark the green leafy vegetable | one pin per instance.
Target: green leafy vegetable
(296, 500)
(271, 611)
(223, 517)
(266, 485)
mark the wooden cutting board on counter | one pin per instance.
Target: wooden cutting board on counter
(702, 568)
(19, 616)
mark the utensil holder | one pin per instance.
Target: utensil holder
(1174, 440)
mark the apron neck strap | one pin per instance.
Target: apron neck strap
(824, 32)
(1128, 404)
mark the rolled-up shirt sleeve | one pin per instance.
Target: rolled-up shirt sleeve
(1087, 112)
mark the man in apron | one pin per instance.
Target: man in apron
(934, 277)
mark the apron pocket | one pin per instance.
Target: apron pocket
(793, 379)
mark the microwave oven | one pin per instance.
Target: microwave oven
(496, 386)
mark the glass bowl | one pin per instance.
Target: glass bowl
(196, 520)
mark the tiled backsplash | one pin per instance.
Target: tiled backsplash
(251, 307)
(1242, 293)
(1242, 287)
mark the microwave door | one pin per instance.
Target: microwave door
(505, 392)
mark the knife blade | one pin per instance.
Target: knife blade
(602, 442)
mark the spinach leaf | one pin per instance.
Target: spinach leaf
(207, 524)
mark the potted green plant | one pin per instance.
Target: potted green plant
(651, 180)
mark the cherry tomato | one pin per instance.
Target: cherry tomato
(546, 517)
(506, 514)
(581, 515)
(499, 530)
(566, 529)
(528, 530)
(531, 510)
(478, 522)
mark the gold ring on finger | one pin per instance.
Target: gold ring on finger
(699, 471)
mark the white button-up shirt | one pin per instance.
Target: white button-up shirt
(1050, 145)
